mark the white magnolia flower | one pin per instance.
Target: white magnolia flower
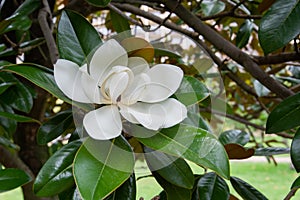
(126, 86)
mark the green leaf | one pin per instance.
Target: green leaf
(27, 7)
(22, 23)
(296, 183)
(12, 178)
(245, 190)
(54, 127)
(191, 91)
(119, 23)
(212, 7)
(244, 33)
(9, 144)
(188, 142)
(101, 3)
(56, 174)
(76, 37)
(270, 151)
(279, 25)
(18, 118)
(174, 170)
(285, 115)
(42, 77)
(4, 86)
(127, 191)
(9, 125)
(195, 119)
(172, 191)
(295, 151)
(260, 89)
(212, 187)
(70, 194)
(234, 136)
(101, 166)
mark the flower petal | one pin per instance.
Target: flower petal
(155, 116)
(165, 80)
(67, 76)
(138, 65)
(110, 54)
(104, 123)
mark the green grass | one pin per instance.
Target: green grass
(273, 181)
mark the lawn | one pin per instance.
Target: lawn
(273, 181)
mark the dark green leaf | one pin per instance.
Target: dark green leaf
(195, 119)
(27, 7)
(234, 136)
(101, 3)
(295, 151)
(42, 77)
(191, 143)
(54, 127)
(212, 187)
(119, 23)
(279, 25)
(244, 33)
(101, 166)
(9, 125)
(246, 191)
(270, 151)
(127, 191)
(174, 170)
(285, 115)
(172, 191)
(56, 174)
(296, 183)
(22, 23)
(18, 118)
(12, 178)
(212, 7)
(76, 37)
(70, 194)
(4, 86)
(158, 52)
(7, 143)
(191, 91)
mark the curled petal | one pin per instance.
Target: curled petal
(67, 76)
(138, 65)
(110, 54)
(165, 80)
(155, 116)
(103, 123)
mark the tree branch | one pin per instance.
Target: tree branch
(228, 48)
(277, 59)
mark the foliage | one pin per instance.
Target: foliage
(234, 50)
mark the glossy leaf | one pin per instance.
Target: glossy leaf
(101, 166)
(245, 190)
(279, 25)
(195, 119)
(54, 127)
(27, 7)
(188, 142)
(119, 23)
(22, 23)
(4, 86)
(285, 115)
(270, 151)
(174, 170)
(234, 136)
(236, 151)
(295, 151)
(76, 37)
(70, 194)
(56, 174)
(42, 77)
(212, 7)
(191, 91)
(18, 118)
(296, 183)
(8, 124)
(172, 191)
(243, 34)
(8, 143)
(101, 3)
(212, 187)
(127, 191)
(11, 178)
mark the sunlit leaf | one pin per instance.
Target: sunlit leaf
(279, 25)
(212, 7)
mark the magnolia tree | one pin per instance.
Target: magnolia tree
(89, 88)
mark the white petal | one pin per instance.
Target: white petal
(110, 54)
(103, 123)
(155, 116)
(165, 80)
(67, 76)
(138, 65)
(135, 90)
